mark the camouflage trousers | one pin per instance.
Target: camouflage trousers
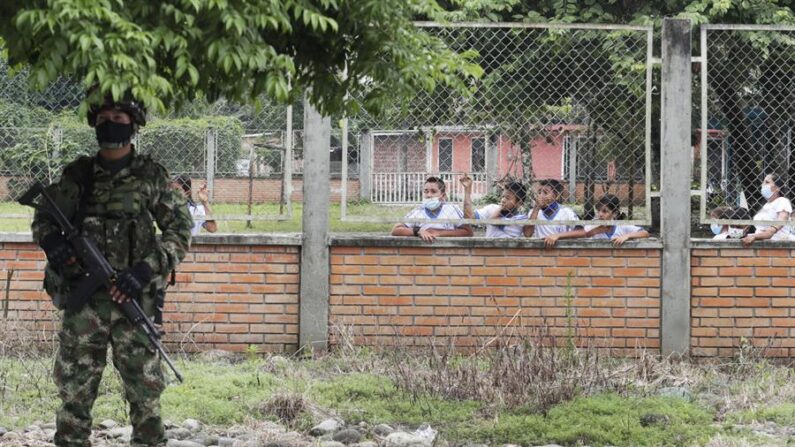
(81, 358)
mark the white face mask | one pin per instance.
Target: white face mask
(432, 204)
(716, 229)
(767, 191)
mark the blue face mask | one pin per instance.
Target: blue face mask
(432, 204)
(716, 229)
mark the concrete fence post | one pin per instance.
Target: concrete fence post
(211, 145)
(365, 164)
(314, 294)
(675, 185)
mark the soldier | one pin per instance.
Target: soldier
(115, 197)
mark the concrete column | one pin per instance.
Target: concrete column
(211, 143)
(314, 296)
(365, 164)
(675, 185)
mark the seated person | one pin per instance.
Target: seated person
(513, 197)
(777, 207)
(434, 206)
(608, 208)
(548, 208)
(723, 232)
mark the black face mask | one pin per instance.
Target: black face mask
(112, 135)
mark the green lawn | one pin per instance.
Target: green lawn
(292, 225)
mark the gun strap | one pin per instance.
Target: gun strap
(86, 183)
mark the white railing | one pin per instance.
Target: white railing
(406, 187)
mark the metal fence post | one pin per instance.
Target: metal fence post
(492, 162)
(210, 146)
(675, 181)
(365, 163)
(314, 304)
(57, 141)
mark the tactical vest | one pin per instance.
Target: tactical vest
(114, 211)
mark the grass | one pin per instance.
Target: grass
(292, 225)
(463, 396)
(222, 394)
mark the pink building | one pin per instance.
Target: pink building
(399, 161)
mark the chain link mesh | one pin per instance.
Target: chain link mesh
(749, 106)
(565, 103)
(237, 151)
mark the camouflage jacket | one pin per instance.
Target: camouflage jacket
(119, 215)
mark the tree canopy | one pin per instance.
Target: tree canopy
(172, 51)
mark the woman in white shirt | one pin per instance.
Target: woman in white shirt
(776, 208)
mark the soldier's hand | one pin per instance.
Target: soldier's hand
(130, 283)
(58, 250)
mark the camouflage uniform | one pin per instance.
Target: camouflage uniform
(119, 215)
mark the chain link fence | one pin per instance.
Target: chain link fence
(747, 116)
(568, 103)
(239, 152)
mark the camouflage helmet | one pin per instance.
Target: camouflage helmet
(127, 104)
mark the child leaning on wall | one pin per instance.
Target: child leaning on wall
(434, 206)
(723, 232)
(513, 197)
(549, 208)
(608, 208)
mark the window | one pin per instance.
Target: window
(478, 155)
(445, 155)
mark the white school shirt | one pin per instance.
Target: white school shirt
(500, 231)
(448, 211)
(616, 230)
(770, 211)
(562, 213)
(199, 215)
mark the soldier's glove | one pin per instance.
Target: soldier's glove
(132, 281)
(58, 250)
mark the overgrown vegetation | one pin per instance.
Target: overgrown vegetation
(466, 396)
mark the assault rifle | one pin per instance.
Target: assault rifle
(99, 272)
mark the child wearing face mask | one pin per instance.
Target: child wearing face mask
(513, 197)
(549, 208)
(434, 206)
(776, 208)
(723, 232)
(608, 208)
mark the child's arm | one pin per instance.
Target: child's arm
(431, 234)
(550, 240)
(402, 230)
(528, 230)
(618, 240)
(209, 224)
(469, 211)
(597, 230)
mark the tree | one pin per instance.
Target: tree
(769, 79)
(171, 51)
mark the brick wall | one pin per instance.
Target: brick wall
(742, 293)
(413, 294)
(242, 290)
(227, 296)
